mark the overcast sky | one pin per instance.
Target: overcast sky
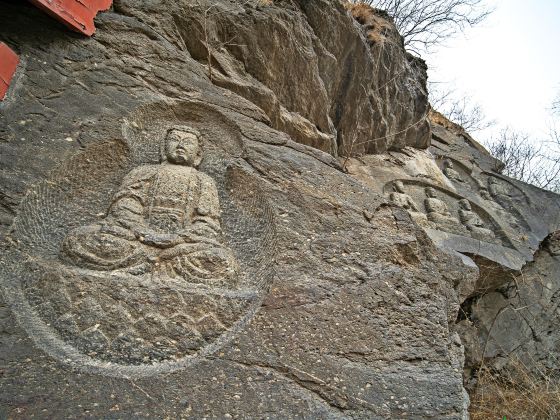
(510, 64)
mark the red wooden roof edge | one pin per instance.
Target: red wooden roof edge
(78, 15)
(8, 64)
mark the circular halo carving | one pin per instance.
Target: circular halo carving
(140, 257)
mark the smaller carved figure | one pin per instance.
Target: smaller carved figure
(450, 172)
(497, 188)
(492, 204)
(401, 199)
(485, 194)
(438, 213)
(473, 222)
(503, 194)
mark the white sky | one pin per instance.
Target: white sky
(510, 64)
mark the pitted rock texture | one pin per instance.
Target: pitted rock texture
(344, 308)
(504, 229)
(351, 271)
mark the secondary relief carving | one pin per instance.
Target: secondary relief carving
(439, 214)
(450, 172)
(434, 208)
(474, 223)
(504, 200)
(507, 194)
(462, 175)
(402, 199)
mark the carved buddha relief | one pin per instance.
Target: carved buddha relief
(145, 253)
(450, 172)
(436, 209)
(402, 199)
(473, 222)
(506, 193)
(439, 214)
(163, 219)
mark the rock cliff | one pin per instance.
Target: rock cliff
(238, 209)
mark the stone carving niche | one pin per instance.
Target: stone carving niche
(139, 256)
(436, 208)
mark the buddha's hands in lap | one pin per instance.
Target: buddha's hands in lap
(159, 240)
(194, 234)
(198, 231)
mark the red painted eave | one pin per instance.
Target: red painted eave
(78, 15)
(8, 64)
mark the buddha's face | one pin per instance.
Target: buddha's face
(182, 148)
(399, 187)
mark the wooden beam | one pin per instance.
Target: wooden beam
(8, 64)
(78, 15)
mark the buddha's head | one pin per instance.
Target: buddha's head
(430, 192)
(182, 146)
(465, 204)
(399, 187)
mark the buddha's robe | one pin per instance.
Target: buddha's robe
(164, 218)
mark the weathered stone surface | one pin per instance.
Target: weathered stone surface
(457, 194)
(510, 318)
(307, 66)
(320, 287)
(516, 324)
(503, 227)
(342, 308)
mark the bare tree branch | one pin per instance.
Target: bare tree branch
(556, 106)
(534, 162)
(458, 108)
(425, 23)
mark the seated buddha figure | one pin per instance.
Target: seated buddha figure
(402, 199)
(473, 222)
(450, 172)
(438, 213)
(164, 219)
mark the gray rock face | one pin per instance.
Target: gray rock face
(516, 324)
(264, 282)
(507, 230)
(509, 319)
(179, 238)
(307, 66)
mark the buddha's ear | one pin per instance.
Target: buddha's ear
(197, 159)
(162, 151)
